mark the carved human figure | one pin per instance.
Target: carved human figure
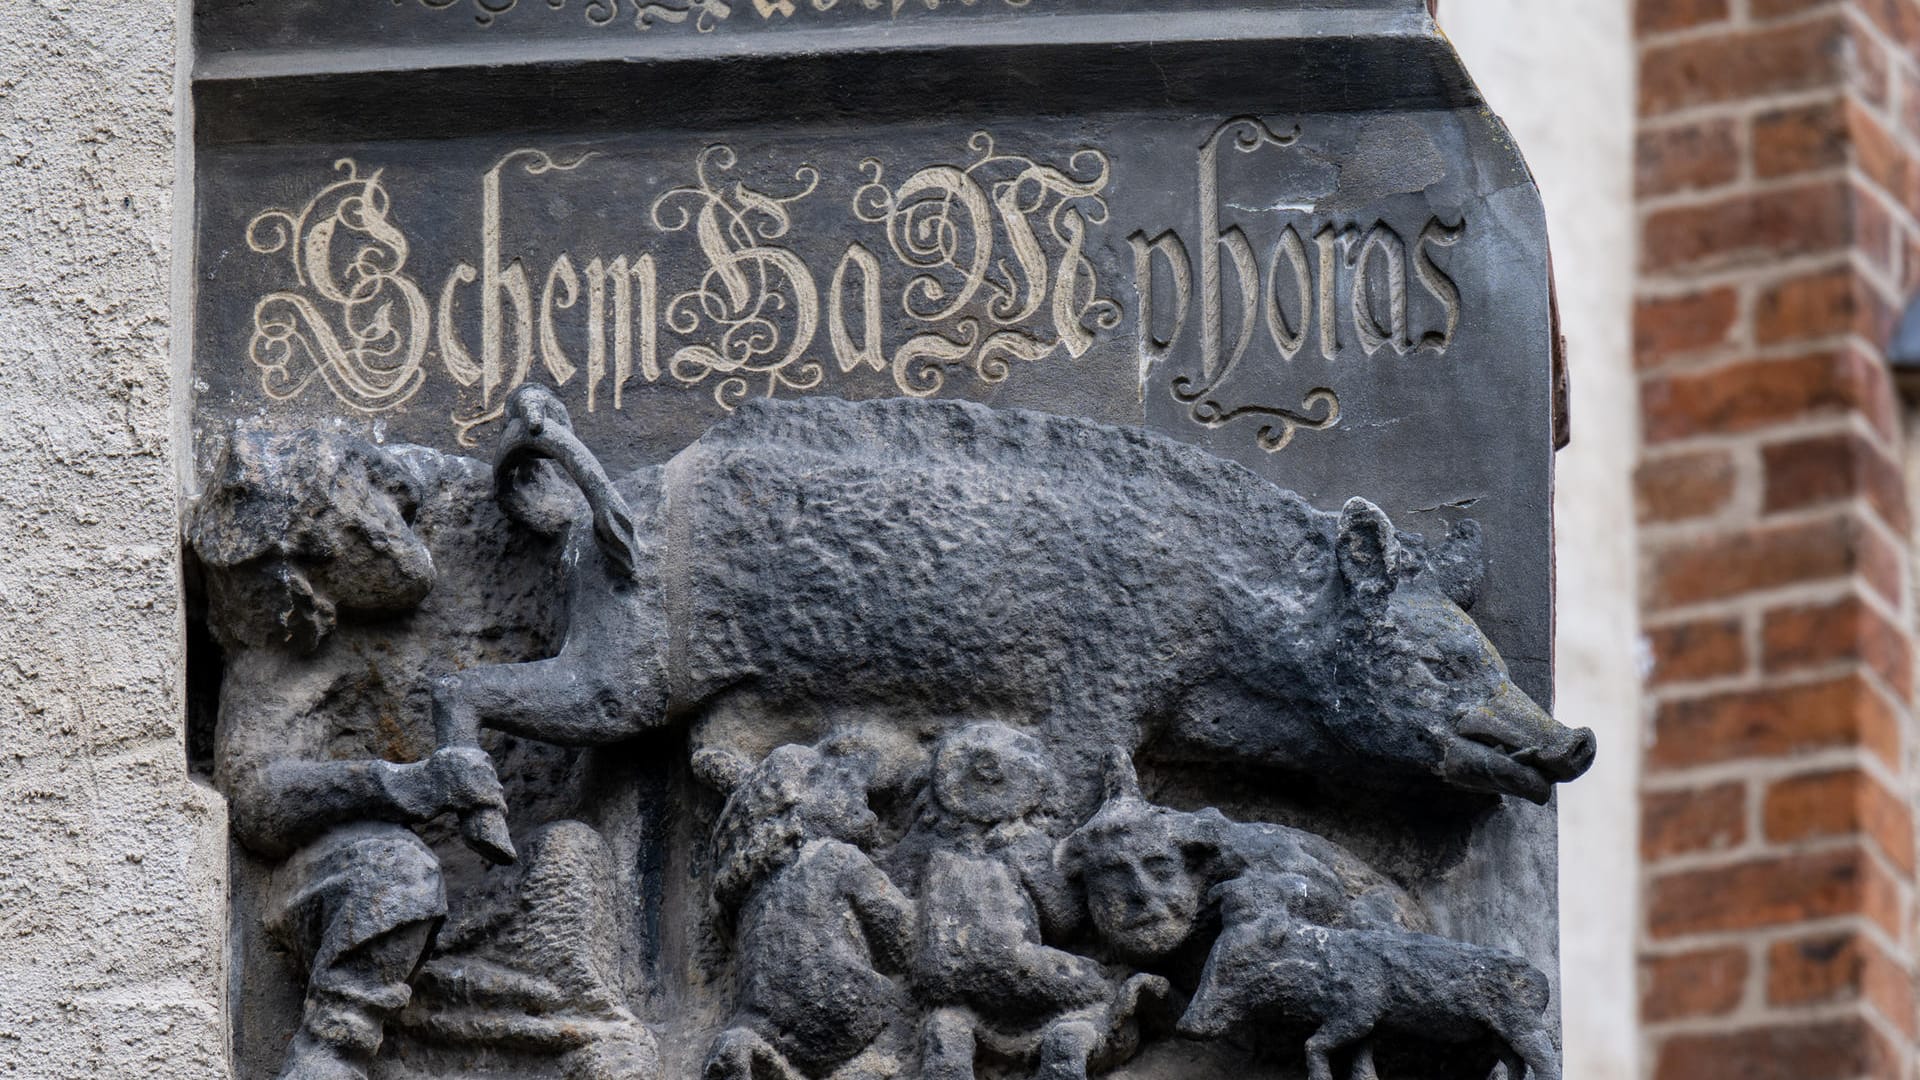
(294, 531)
(816, 923)
(988, 894)
(1291, 925)
(1151, 874)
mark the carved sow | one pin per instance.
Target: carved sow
(930, 564)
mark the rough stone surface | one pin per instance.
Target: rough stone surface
(545, 963)
(918, 648)
(111, 860)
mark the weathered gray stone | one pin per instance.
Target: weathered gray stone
(960, 614)
(805, 562)
(810, 723)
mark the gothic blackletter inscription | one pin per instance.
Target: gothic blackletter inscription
(861, 539)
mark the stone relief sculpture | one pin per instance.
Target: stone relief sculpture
(1350, 983)
(1291, 925)
(989, 891)
(818, 926)
(358, 896)
(964, 554)
(305, 540)
(819, 752)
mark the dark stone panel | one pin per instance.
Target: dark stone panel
(225, 26)
(1436, 432)
(972, 81)
(1289, 236)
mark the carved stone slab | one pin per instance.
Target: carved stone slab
(226, 26)
(1288, 234)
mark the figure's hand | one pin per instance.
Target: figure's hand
(1073, 981)
(456, 778)
(464, 779)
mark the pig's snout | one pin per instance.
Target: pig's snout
(1514, 726)
(1567, 759)
(1577, 759)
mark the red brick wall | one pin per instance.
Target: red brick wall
(1778, 177)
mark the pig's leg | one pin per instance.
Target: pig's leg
(1515, 1064)
(1536, 1049)
(568, 700)
(1335, 1034)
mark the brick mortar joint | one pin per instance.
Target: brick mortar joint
(1691, 691)
(1842, 670)
(1759, 772)
(1800, 594)
(1648, 206)
(1739, 108)
(1756, 848)
(1896, 54)
(1738, 23)
(1765, 937)
(1661, 285)
(1751, 1015)
(1716, 358)
(1679, 535)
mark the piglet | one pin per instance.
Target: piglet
(1350, 983)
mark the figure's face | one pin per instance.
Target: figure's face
(989, 774)
(1145, 898)
(835, 806)
(296, 527)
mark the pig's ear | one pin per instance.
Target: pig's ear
(1370, 556)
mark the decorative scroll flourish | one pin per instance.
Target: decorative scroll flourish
(355, 320)
(747, 284)
(484, 10)
(1246, 135)
(704, 15)
(952, 223)
(1283, 424)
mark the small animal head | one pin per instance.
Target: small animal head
(1144, 867)
(796, 795)
(990, 774)
(1436, 690)
(295, 529)
(1249, 972)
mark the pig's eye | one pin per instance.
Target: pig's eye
(1448, 669)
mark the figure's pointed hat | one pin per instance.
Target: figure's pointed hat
(1122, 782)
(1122, 808)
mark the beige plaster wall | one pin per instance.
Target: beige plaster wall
(111, 860)
(1561, 73)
